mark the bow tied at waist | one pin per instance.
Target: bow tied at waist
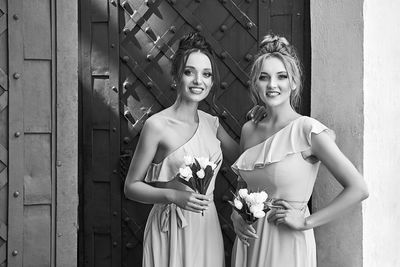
(173, 215)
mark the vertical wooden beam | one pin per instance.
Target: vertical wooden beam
(86, 132)
(115, 183)
(16, 165)
(67, 132)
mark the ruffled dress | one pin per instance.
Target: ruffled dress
(280, 166)
(176, 237)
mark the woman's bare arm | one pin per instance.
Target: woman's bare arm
(136, 189)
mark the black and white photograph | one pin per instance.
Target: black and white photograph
(199, 133)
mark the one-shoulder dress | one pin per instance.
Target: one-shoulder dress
(279, 165)
(176, 237)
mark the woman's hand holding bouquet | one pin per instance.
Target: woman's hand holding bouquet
(197, 173)
(248, 208)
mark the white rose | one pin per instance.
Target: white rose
(238, 204)
(200, 174)
(203, 162)
(243, 192)
(259, 214)
(250, 199)
(256, 208)
(260, 197)
(188, 160)
(185, 173)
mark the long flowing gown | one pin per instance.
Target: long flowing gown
(280, 166)
(176, 237)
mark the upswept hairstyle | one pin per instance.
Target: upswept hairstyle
(278, 47)
(189, 43)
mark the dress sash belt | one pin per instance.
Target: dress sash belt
(173, 215)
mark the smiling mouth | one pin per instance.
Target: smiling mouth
(196, 90)
(272, 93)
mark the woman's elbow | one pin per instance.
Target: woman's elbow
(128, 190)
(364, 193)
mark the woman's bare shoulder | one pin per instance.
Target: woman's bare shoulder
(248, 128)
(155, 123)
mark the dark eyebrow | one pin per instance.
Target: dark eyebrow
(191, 67)
(279, 73)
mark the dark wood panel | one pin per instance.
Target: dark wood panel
(148, 34)
(101, 186)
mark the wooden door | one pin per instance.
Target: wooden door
(128, 71)
(99, 136)
(3, 132)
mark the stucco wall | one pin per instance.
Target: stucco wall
(381, 132)
(337, 101)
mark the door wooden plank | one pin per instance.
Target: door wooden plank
(99, 50)
(264, 15)
(37, 235)
(114, 88)
(37, 178)
(37, 96)
(16, 135)
(37, 29)
(99, 10)
(86, 242)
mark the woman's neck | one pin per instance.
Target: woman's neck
(185, 110)
(280, 114)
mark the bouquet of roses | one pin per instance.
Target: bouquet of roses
(251, 206)
(197, 173)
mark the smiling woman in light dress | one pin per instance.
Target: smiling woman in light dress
(281, 155)
(177, 234)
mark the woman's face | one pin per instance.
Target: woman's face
(273, 86)
(196, 79)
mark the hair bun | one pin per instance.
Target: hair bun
(274, 43)
(194, 41)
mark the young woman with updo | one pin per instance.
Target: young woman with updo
(281, 155)
(182, 229)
